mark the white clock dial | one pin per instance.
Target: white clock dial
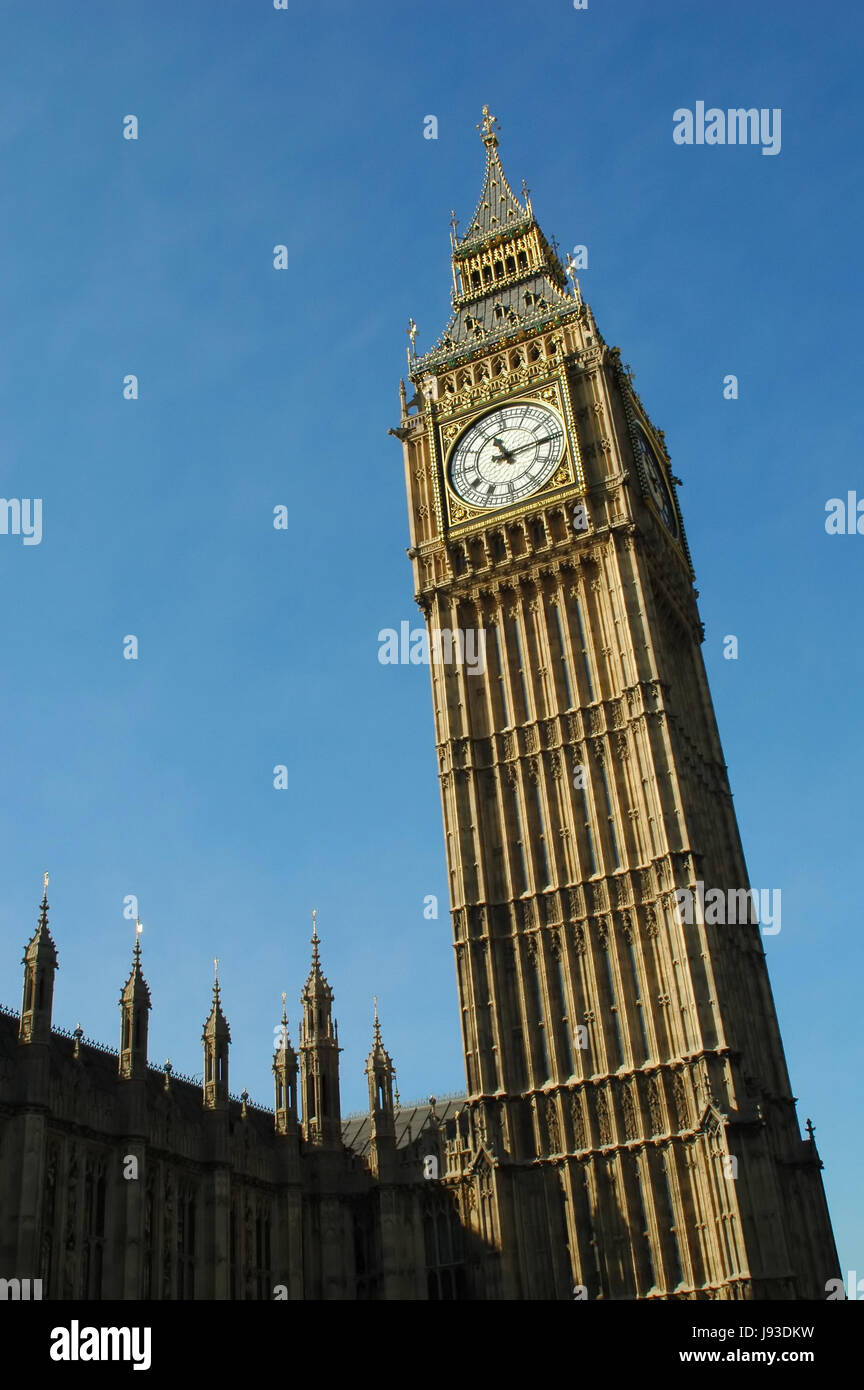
(507, 455)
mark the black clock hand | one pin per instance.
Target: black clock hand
(535, 443)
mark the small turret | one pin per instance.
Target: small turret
(285, 1078)
(380, 1073)
(40, 964)
(216, 1038)
(134, 1007)
(319, 1057)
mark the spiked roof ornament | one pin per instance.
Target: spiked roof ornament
(216, 1023)
(41, 943)
(316, 984)
(136, 986)
(283, 1046)
(378, 1056)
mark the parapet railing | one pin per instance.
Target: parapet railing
(96, 1046)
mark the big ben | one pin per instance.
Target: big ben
(630, 1130)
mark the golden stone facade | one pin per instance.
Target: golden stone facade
(631, 1117)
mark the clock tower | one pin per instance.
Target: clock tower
(629, 1127)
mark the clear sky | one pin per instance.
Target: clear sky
(261, 388)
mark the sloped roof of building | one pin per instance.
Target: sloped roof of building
(411, 1120)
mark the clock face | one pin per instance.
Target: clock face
(657, 486)
(507, 455)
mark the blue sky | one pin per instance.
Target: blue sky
(258, 388)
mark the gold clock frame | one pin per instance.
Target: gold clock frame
(457, 516)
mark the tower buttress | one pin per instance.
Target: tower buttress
(134, 1008)
(319, 1057)
(216, 1038)
(285, 1079)
(40, 964)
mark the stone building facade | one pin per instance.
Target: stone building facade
(121, 1180)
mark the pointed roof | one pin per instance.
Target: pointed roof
(378, 1057)
(136, 987)
(528, 299)
(316, 986)
(41, 944)
(217, 1023)
(284, 1048)
(497, 209)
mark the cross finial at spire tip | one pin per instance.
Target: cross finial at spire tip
(487, 128)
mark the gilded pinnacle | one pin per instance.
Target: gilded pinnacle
(43, 909)
(314, 937)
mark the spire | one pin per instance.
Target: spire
(498, 209)
(378, 1057)
(136, 987)
(283, 1046)
(217, 1024)
(507, 278)
(316, 983)
(41, 937)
